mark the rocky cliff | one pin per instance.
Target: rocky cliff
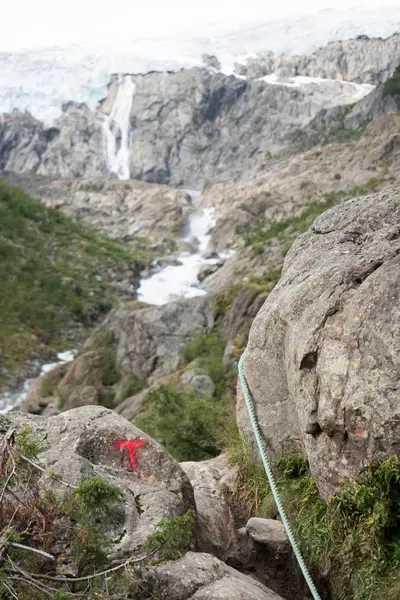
(123, 210)
(362, 60)
(181, 128)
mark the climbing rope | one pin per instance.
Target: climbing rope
(260, 443)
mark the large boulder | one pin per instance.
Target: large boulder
(89, 441)
(323, 360)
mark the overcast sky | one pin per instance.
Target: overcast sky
(39, 23)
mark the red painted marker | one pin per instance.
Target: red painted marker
(131, 445)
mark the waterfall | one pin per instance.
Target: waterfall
(116, 128)
(180, 281)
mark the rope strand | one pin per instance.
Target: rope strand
(260, 443)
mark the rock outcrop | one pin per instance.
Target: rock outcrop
(92, 442)
(283, 188)
(323, 362)
(124, 210)
(183, 128)
(362, 60)
(212, 480)
(73, 146)
(204, 577)
(149, 340)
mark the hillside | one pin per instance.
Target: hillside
(57, 279)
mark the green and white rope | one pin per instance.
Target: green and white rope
(260, 443)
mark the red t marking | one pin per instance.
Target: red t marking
(131, 445)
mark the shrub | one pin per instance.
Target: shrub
(172, 536)
(184, 422)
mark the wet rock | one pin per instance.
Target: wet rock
(207, 270)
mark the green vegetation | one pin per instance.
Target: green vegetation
(54, 273)
(172, 537)
(343, 135)
(185, 422)
(354, 539)
(391, 86)
(286, 229)
(189, 423)
(208, 350)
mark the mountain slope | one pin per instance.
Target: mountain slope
(56, 279)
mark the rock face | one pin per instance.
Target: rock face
(360, 60)
(183, 128)
(72, 147)
(124, 210)
(149, 340)
(80, 443)
(284, 187)
(211, 479)
(323, 361)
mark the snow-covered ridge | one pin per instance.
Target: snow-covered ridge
(42, 80)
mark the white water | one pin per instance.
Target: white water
(117, 126)
(11, 399)
(180, 281)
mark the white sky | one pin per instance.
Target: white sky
(39, 23)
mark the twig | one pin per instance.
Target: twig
(35, 550)
(9, 589)
(123, 565)
(38, 586)
(13, 471)
(33, 464)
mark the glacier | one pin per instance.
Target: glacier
(43, 79)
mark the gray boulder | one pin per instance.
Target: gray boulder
(212, 480)
(268, 532)
(323, 352)
(81, 443)
(199, 576)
